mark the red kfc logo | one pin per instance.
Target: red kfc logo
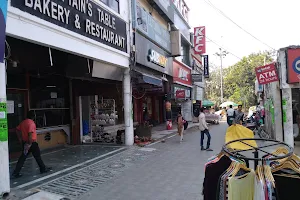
(199, 40)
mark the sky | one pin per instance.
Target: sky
(274, 22)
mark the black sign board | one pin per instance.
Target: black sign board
(197, 77)
(206, 66)
(81, 16)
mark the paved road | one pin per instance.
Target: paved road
(171, 171)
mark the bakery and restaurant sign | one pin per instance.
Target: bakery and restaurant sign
(81, 16)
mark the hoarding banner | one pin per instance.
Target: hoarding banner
(266, 74)
(199, 40)
(86, 18)
(293, 69)
(181, 74)
(206, 66)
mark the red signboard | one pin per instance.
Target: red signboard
(180, 94)
(293, 69)
(199, 40)
(182, 74)
(266, 74)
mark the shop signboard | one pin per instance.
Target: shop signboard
(150, 55)
(157, 58)
(182, 74)
(293, 69)
(199, 40)
(86, 18)
(180, 94)
(197, 64)
(206, 66)
(266, 74)
(197, 77)
(148, 26)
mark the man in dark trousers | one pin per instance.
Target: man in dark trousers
(204, 130)
(26, 132)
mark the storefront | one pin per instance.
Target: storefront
(151, 78)
(152, 72)
(54, 52)
(182, 90)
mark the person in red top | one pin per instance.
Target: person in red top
(26, 132)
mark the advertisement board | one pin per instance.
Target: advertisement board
(266, 74)
(90, 19)
(206, 66)
(182, 74)
(199, 40)
(293, 69)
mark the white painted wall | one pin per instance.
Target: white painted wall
(33, 29)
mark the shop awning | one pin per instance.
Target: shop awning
(151, 80)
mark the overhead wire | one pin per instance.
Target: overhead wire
(224, 15)
(223, 48)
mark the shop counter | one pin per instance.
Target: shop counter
(50, 137)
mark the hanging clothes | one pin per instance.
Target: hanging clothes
(259, 192)
(241, 187)
(287, 186)
(213, 171)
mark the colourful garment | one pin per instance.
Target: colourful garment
(241, 188)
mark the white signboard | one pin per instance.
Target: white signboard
(10, 107)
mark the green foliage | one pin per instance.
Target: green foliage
(238, 80)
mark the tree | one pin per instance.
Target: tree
(239, 80)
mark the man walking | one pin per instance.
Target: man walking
(239, 116)
(204, 130)
(26, 132)
(230, 115)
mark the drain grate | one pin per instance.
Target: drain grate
(80, 182)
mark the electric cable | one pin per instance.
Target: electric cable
(224, 15)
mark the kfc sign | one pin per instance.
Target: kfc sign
(181, 74)
(266, 74)
(182, 8)
(199, 40)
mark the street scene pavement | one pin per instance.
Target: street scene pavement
(173, 171)
(160, 171)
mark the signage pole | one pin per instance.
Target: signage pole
(4, 160)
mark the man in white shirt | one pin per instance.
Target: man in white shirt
(230, 115)
(204, 130)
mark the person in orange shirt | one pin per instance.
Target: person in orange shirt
(26, 132)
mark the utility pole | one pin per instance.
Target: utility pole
(221, 54)
(4, 163)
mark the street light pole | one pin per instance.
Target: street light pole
(221, 55)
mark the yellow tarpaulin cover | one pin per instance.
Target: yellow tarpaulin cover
(236, 132)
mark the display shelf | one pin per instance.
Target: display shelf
(102, 114)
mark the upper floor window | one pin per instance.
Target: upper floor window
(113, 4)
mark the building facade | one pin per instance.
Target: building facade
(162, 70)
(65, 60)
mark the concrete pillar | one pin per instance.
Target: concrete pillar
(278, 129)
(127, 98)
(4, 159)
(288, 116)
